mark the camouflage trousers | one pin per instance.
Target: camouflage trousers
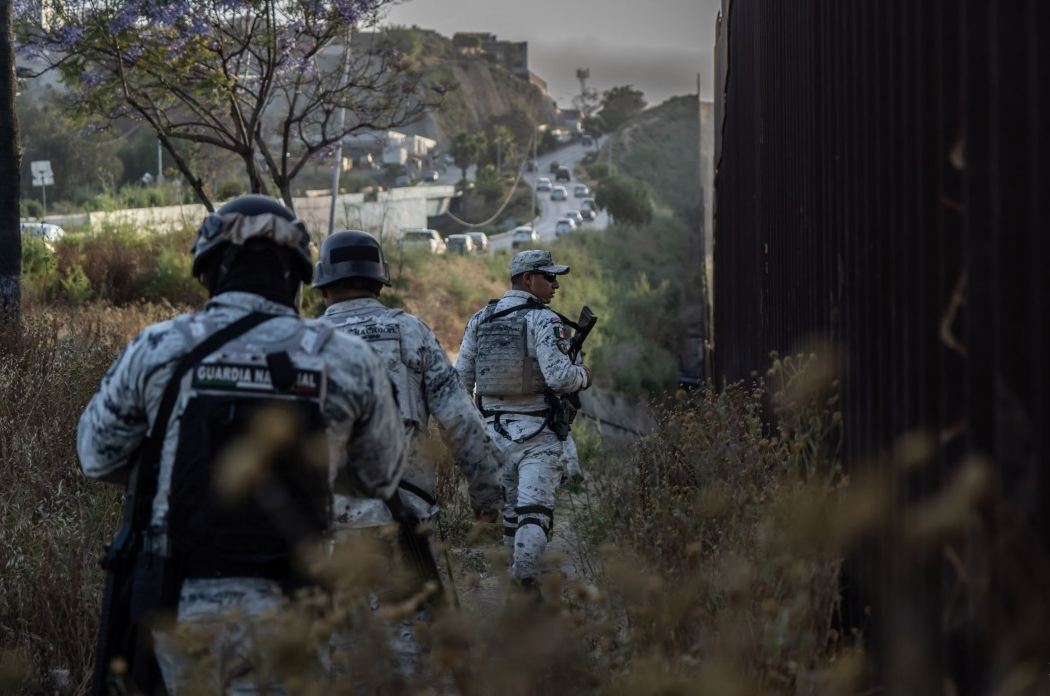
(226, 634)
(388, 637)
(531, 475)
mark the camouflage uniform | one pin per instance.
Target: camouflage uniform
(518, 422)
(427, 386)
(365, 440)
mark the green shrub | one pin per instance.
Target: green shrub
(39, 267)
(172, 280)
(77, 286)
(229, 188)
(31, 208)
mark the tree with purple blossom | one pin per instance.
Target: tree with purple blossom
(263, 79)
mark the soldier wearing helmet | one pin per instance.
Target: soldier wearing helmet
(192, 394)
(514, 354)
(351, 274)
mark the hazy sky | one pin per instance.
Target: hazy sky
(658, 46)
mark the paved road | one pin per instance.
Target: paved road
(552, 211)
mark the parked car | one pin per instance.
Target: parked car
(555, 166)
(423, 240)
(564, 226)
(563, 174)
(531, 166)
(575, 216)
(44, 231)
(543, 184)
(588, 208)
(430, 176)
(524, 236)
(581, 191)
(558, 193)
(460, 244)
(481, 240)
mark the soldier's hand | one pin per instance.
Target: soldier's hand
(487, 516)
(588, 371)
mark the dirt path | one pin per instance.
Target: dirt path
(481, 576)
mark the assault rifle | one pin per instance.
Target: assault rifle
(119, 634)
(415, 547)
(564, 408)
(139, 582)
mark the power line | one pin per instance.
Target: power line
(517, 180)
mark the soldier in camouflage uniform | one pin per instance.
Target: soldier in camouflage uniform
(513, 352)
(253, 256)
(351, 274)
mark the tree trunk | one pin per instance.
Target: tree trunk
(10, 180)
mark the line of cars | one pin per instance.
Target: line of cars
(428, 241)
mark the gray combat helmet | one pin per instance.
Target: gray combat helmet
(351, 254)
(252, 217)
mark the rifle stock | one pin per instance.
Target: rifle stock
(415, 546)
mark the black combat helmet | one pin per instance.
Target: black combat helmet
(252, 217)
(351, 254)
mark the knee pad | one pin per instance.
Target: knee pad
(538, 515)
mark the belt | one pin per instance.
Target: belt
(498, 426)
(415, 490)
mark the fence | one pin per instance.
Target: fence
(882, 182)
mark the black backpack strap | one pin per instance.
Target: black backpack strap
(528, 305)
(147, 485)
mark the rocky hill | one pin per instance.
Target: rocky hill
(483, 92)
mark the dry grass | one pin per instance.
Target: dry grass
(53, 522)
(706, 577)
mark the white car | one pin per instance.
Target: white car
(588, 208)
(524, 236)
(460, 243)
(44, 231)
(423, 240)
(481, 240)
(564, 226)
(558, 193)
(543, 183)
(581, 191)
(575, 216)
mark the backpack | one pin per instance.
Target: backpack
(250, 478)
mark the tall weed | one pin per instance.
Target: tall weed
(53, 521)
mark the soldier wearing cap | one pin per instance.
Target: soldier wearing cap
(514, 355)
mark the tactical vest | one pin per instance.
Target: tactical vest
(504, 366)
(380, 328)
(250, 480)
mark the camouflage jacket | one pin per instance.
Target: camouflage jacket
(365, 436)
(442, 397)
(547, 341)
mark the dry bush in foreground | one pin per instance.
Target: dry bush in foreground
(712, 582)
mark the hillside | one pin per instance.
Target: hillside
(657, 145)
(484, 91)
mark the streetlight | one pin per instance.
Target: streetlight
(339, 149)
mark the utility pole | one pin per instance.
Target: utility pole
(337, 170)
(535, 170)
